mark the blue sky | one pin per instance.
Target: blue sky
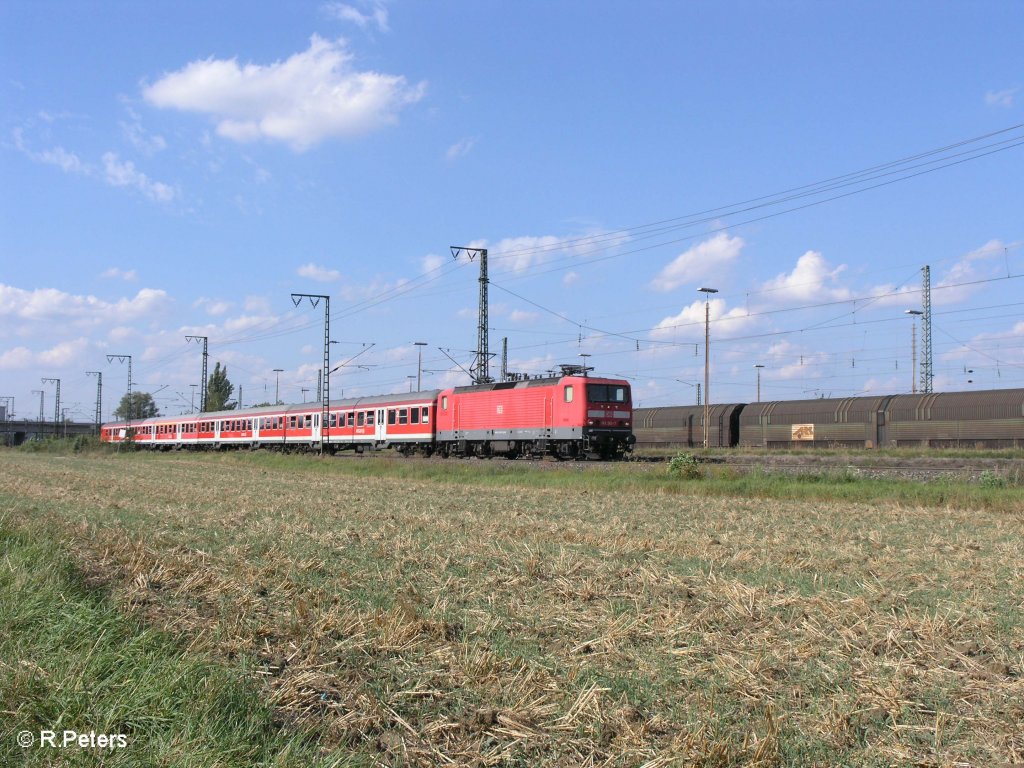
(176, 168)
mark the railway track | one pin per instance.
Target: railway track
(921, 469)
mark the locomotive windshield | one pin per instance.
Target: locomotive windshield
(607, 393)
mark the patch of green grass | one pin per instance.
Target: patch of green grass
(69, 660)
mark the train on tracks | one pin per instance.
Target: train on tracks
(983, 419)
(569, 416)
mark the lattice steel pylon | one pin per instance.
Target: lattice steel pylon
(99, 397)
(481, 370)
(205, 384)
(926, 330)
(325, 400)
(128, 420)
(56, 405)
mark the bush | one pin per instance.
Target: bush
(686, 467)
(990, 479)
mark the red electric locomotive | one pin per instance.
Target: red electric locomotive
(569, 416)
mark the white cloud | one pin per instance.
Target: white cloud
(309, 97)
(52, 305)
(68, 162)
(374, 289)
(460, 148)
(62, 354)
(700, 261)
(120, 173)
(522, 316)
(692, 317)
(257, 304)
(213, 307)
(115, 172)
(808, 281)
(143, 141)
(376, 14)
(980, 264)
(122, 333)
(19, 357)
(1002, 98)
(318, 273)
(116, 273)
(431, 263)
(570, 277)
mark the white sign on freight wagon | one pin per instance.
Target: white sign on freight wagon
(803, 432)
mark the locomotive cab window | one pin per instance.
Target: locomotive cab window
(568, 392)
(444, 403)
(607, 393)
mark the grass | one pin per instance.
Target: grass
(70, 660)
(485, 613)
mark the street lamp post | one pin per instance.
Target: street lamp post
(707, 359)
(914, 313)
(759, 367)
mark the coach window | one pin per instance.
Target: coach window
(351, 418)
(391, 416)
(369, 418)
(291, 422)
(403, 416)
(568, 394)
(361, 419)
(414, 415)
(426, 415)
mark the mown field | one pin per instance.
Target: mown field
(381, 612)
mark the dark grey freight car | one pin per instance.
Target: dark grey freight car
(682, 426)
(842, 422)
(982, 419)
(988, 419)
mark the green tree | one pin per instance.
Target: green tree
(142, 407)
(219, 389)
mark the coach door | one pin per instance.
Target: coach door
(381, 428)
